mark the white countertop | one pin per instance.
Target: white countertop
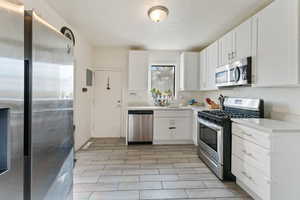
(194, 108)
(269, 125)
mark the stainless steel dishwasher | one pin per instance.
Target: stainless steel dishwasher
(140, 127)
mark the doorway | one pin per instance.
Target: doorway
(107, 104)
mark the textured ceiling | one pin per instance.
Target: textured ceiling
(191, 23)
(15, 1)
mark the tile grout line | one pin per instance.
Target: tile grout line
(186, 193)
(89, 197)
(173, 164)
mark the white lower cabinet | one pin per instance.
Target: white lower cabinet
(252, 153)
(172, 127)
(255, 180)
(265, 163)
(195, 127)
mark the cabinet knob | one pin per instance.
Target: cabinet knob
(249, 134)
(248, 154)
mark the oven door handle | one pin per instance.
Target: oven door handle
(210, 125)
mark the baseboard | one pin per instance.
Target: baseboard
(173, 142)
(248, 190)
(80, 147)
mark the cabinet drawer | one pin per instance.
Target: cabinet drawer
(172, 129)
(252, 153)
(252, 178)
(172, 113)
(255, 136)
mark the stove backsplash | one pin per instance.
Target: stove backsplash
(280, 103)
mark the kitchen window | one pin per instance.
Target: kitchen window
(163, 78)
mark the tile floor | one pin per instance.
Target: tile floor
(110, 170)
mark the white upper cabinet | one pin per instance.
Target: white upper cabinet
(271, 38)
(138, 70)
(212, 64)
(242, 40)
(226, 48)
(189, 71)
(236, 44)
(276, 43)
(208, 64)
(202, 71)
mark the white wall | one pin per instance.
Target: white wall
(110, 57)
(83, 101)
(164, 57)
(83, 53)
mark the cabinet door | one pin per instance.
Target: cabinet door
(242, 40)
(226, 48)
(276, 60)
(189, 71)
(163, 129)
(183, 131)
(138, 70)
(212, 63)
(203, 64)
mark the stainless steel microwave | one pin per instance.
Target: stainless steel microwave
(237, 73)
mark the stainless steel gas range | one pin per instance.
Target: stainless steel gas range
(214, 133)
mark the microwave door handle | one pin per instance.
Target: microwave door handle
(237, 74)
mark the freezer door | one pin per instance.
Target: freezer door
(11, 101)
(52, 113)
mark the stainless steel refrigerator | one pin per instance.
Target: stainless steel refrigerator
(36, 108)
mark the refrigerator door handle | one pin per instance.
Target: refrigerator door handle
(27, 108)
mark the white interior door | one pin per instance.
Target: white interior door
(107, 104)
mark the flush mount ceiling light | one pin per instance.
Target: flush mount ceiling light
(158, 13)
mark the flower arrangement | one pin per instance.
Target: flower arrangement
(161, 98)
